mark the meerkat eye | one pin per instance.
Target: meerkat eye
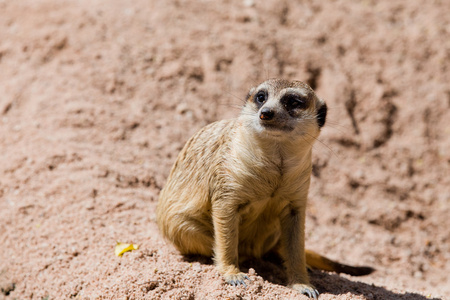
(294, 101)
(261, 97)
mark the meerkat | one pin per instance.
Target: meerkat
(239, 187)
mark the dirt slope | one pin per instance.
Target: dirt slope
(98, 97)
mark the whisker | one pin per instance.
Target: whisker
(329, 148)
(337, 124)
(306, 141)
(329, 123)
(239, 98)
(266, 71)
(232, 105)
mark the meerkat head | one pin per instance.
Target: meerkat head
(284, 109)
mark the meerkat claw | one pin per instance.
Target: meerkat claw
(306, 290)
(311, 293)
(236, 283)
(314, 294)
(237, 280)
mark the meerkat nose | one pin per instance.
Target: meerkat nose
(266, 114)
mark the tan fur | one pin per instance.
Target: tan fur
(239, 189)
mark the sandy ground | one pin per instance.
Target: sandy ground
(97, 98)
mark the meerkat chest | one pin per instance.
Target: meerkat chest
(265, 187)
(267, 197)
(266, 177)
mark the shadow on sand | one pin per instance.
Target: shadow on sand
(270, 269)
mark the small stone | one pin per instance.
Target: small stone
(249, 3)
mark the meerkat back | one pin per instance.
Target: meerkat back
(184, 206)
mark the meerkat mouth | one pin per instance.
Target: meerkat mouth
(277, 127)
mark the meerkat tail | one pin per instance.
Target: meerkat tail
(317, 261)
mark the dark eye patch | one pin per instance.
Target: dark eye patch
(261, 97)
(294, 101)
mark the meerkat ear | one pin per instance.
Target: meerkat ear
(322, 115)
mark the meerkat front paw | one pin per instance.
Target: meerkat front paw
(236, 279)
(306, 289)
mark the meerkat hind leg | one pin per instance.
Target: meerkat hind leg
(193, 238)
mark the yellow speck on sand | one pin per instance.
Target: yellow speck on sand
(121, 248)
